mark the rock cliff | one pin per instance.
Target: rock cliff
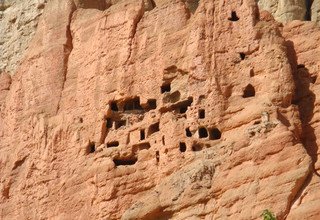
(288, 10)
(161, 109)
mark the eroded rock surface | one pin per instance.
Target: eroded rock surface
(160, 109)
(285, 10)
(18, 23)
(305, 55)
(289, 10)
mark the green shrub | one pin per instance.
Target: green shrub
(268, 215)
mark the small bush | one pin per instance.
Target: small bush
(268, 215)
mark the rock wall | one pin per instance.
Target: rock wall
(161, 110)
(18, 23)
(289, 10)
(315, 11)
(285, 10)
(305, 56)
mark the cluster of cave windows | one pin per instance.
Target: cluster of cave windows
(122, 109)
(249, 90)
(211, 133)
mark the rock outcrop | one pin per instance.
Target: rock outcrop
(305, 57)
(161, 109)
(289, 10)
(285, 10)
(18, 23)
(315, 11)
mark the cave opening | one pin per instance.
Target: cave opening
(153, 129)
(152, 104)
(234, 16)
(132, 104)
(109, 123)
(125, 162)
(249, 91)
(182, 147)
(165, 88)
(201, 113)
(242, 56)
(113, 144)
(119, 124)
(196, 147)
(308, 9)
(188, 132)
(142, 134)
(203, 133)
(215, 134)
(91, 148)
(114, 106)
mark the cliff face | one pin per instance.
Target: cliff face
(288, 10)
(18, 22)
(161, 110)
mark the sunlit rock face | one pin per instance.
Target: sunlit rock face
(161, 109)
(18, 23)
(289, 10)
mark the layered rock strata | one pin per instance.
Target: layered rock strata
(157, 110)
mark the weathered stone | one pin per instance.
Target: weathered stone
(315, 11)
(285, 10)
(18, 23)
(305, 56)
(161, 109)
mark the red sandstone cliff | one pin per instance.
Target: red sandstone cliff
(163, 109)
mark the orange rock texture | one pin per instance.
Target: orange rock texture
(162, 109)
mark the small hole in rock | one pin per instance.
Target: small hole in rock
(183, 106)
(152, 103)
(81, 120)
(165, 88)
(132, 104)
(91, 148)
(201, 113)
(188, 132)
(215, 134)
(301, 66)
(141, 146)
(196, 147)
(183, 109)
(142, 134)
(109, 123)
(153, 129)
(249, 91)
(309, 9)
(182, 147)
(157, 156)
(242, 56)
(113, 144)
(114, 106)
(119, 124)
(256, 122)
(174, 97)
(313, 79)
(203, 133)
(125, 162)
(251, 73)
(163, 141)
(233, 16)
